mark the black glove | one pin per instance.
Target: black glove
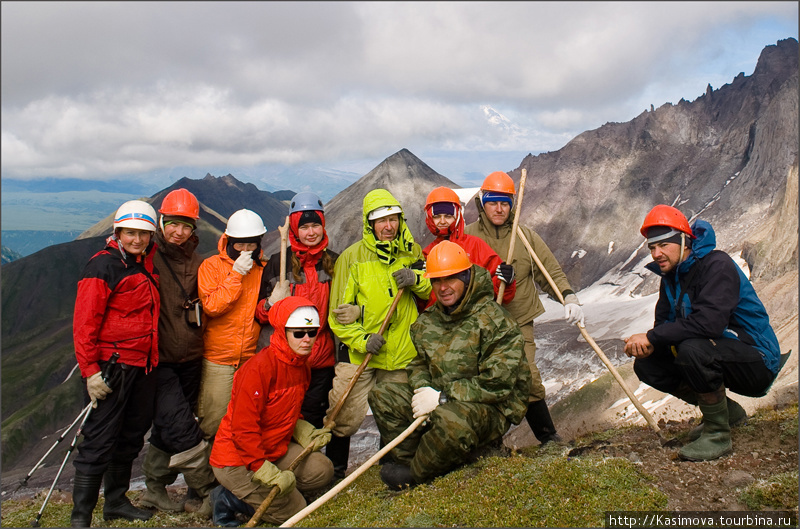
(374, 343)
(505, 272)
(404, 277)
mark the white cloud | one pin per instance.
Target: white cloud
(95, 89)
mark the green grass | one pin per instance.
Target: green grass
(548, 491)
(779, 492)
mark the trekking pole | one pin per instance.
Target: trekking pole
(502, 288)
(58, 441)
(284, 231)
(357, 472)
(329, 420)
(88, 410)
(591, 342)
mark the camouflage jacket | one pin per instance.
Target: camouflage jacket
(474, 354)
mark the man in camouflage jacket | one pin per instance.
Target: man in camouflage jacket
(470, 376)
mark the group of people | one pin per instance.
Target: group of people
(424, 330)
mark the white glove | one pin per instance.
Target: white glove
(243, 264)
(283, 289)
(97, 388)
(424, 401)
(347, 314)
(573, 312)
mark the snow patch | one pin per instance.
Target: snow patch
(610, 247)
(579, 253)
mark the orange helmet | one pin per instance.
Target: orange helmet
(499, 182)
(447, 195)
(446, 259)
(442, 194)
(180, 203)
(667, 216)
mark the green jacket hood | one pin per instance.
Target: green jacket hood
(387, 251)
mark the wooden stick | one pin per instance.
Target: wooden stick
(329, 419)
(357, 472)
(284, 231)
(502, 289)
(590, 341)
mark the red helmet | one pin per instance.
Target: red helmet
(446, 259)
(663, 215)
(180, 203)
(499, 182)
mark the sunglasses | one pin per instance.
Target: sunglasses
(299, 333)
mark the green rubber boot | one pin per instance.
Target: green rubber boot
(736, 416)
(715, 441)
(157, 475)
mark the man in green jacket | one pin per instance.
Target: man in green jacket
(470, 375)
(494, 225)
(367, 277)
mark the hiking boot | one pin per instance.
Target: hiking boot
(157, 476)
(397, 476)
(117, 480)
(538, 417)
(736, 416)
(715, 441)
(85, 491)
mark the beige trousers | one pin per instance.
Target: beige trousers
(537, 388)
(216, 383)
(356, 406)
(314, 472)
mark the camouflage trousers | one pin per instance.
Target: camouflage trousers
(452, 431)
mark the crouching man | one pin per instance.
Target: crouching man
(711, 331)
(470, 375)
(262, 432)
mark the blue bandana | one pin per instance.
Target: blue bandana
(494, 196)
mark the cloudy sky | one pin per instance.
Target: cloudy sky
(101, 89)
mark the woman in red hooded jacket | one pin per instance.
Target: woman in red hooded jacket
(309, 264)
(444, 217)
(263, 432)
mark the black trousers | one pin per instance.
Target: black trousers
(706, 364)
(175, 428)
(315, 402)
(115, 430)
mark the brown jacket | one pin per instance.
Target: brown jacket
(178, 342)
(526, 304)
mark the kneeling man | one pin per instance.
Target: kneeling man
(470, 375)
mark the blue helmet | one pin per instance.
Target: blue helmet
(306, 202)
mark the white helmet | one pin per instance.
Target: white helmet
(245, 223)
(384, 211)
(303, 317)
(136, 214)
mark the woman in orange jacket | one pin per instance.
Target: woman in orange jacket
(228, 286)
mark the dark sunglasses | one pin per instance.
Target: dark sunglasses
(299, 333)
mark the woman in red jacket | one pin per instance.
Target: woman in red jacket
(116, 311)
(444, 217)
(309, 264)
(263, 432)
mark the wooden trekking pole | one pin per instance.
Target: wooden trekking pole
(590, 341)
(329, 419)
(357, 472)
(502, 289)
(284, 231)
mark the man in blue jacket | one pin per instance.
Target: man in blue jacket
(711, 331)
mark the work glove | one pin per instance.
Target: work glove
(97, 388)
(243, 263)
(281, 290)
(505, 272)
(572, 310)
(424, 401)
(374, 343)
(404, 277)
(346, 313)
(271, 475)
(305, 434)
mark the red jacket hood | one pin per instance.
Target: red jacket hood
(278, 314)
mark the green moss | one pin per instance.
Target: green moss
(779, 492)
